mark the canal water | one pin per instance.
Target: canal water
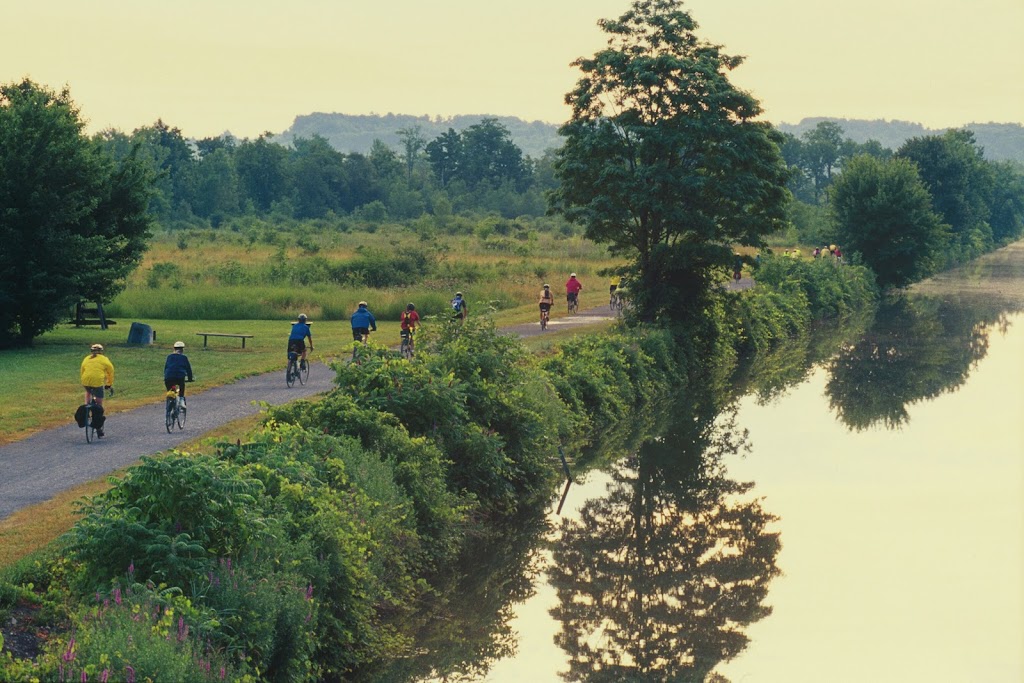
(856, 515)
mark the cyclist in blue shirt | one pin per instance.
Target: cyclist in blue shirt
(176, 369)
(297, 339)
(363, 322)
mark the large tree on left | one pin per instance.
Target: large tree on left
(73, 222)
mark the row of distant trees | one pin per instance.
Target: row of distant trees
(934, 202)
(213, 179)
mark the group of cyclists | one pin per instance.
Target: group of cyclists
(97, 376)
(573, 287)
(363, 322)
(97, 371)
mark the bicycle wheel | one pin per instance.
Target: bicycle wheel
(290, 373)
(90, 431)
(169, 415)
(543, 321)
(181, 416)
(302, 371)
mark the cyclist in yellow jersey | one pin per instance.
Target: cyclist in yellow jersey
(96, 373)
(613, 284)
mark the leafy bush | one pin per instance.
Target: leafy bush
(507, 396)
(163, 273)
(605, 379)
(168, 518)
(831, 289)
(380, 269)
(417, 467)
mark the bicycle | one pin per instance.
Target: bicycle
(545, 316)
(90, 428)
(574, 304)
(298, 369)
(616, 304)
(174, 409)
(408, 344)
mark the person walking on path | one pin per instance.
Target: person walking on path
(177, 369)
(97, 373)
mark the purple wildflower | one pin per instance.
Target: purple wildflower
(105, 676)
(129, 674)
(69, 653)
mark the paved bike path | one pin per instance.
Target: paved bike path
(40, 466)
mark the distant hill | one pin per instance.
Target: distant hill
(352, 133)
(1001, 141)
(356, 133)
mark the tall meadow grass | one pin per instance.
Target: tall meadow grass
(270, 271)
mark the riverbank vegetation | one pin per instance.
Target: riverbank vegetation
(312, 550)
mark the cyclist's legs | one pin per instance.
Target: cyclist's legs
(360, 334)
(175, 382)
(94, 393)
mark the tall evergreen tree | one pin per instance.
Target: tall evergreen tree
(73, 221)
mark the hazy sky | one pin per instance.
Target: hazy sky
(250, 66)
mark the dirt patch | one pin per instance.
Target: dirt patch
(23, 634)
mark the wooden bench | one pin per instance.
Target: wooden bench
(204, 335)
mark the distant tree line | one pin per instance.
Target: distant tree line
(213, 179)
(933, 203)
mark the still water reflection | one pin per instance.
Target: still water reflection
(856, 516)
(658, 578)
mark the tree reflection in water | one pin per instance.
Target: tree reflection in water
(465, 628)
(657, 580)
(916, 349)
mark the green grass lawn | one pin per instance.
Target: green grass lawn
(41, 385)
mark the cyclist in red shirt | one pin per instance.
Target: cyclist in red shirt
(572, 289)
(410, 320)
